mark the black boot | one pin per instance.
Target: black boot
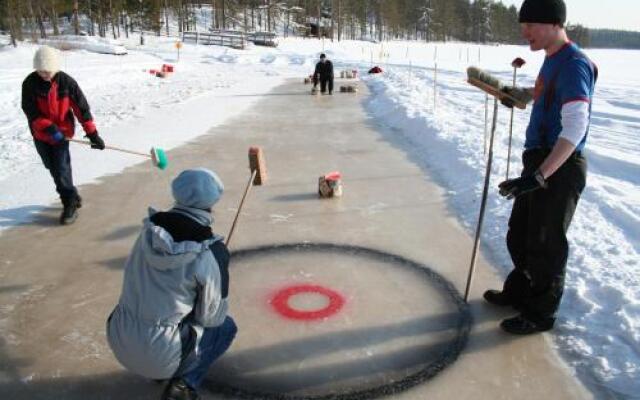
(177, 389)
(522, 325)
(497, 298)
(69, 211)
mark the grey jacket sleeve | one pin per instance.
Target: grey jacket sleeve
(211, 309)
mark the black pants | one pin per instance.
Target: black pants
(57, 160)
(323, 84)
(537, 239)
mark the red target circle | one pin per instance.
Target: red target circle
(280, 302)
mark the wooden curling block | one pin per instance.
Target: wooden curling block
(330, 185)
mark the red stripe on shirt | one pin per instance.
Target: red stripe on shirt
(583, 99)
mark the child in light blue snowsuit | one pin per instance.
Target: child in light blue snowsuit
(171, 320)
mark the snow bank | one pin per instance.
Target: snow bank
(89, 43)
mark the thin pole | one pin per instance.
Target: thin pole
(486, 122)
(435, 86)
(511, 126)
(244, 196)
(485, 192)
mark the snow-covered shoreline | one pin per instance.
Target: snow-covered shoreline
(598, 332)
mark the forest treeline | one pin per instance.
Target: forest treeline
(480, 21)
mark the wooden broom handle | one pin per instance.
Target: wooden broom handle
(111, 148)
(244, 196)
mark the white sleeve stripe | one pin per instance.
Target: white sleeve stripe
(575, 120)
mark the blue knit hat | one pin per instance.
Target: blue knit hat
(197, 188)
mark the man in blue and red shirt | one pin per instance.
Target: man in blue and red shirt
(554, 173)
(50, 100)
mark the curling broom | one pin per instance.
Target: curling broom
(258, 178)
(158, 156)
(491, 85)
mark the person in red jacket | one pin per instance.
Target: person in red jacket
(50, 100)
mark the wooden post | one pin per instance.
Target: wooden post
(178, 47)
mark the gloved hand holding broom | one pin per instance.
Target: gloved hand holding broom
(96, 141)
(524, 95)
(512, 188)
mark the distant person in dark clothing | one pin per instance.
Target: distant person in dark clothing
(324, 74)
(50, 100)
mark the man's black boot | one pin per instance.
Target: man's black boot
(177, 389)
(497, 298)
(522, 325)
(69, 211)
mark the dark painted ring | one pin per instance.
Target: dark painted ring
(445, 359)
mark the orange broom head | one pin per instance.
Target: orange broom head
(257, 163)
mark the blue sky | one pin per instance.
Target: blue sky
(614, 14)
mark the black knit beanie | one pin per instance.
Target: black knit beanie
(543, 11)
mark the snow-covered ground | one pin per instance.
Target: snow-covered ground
(599, 326)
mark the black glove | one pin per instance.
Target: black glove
(521, 94)
(96, 141)
(507, 102)
(515, 187)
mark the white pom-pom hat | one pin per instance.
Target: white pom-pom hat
(47, 59)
